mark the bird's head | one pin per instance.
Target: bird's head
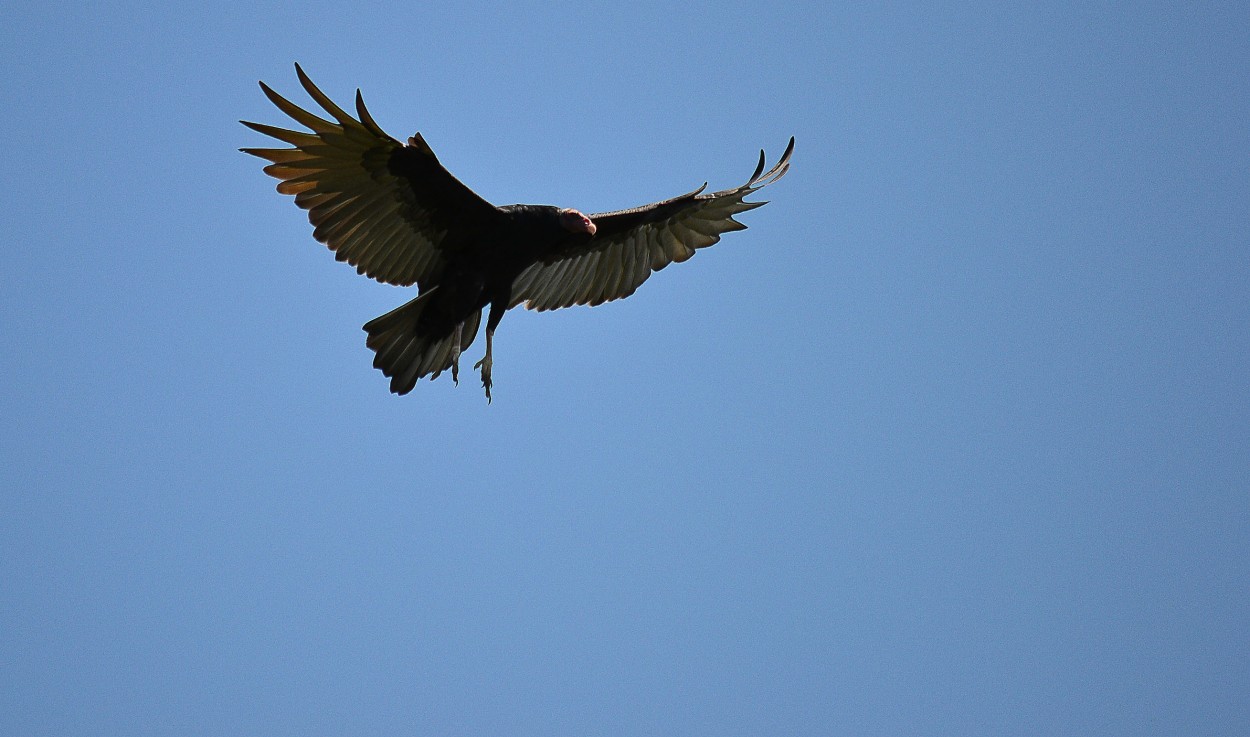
(575, 222)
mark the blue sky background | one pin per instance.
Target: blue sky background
(955, 440)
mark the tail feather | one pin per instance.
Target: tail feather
(406, 354)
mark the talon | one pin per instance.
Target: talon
(485, 365)
(455, 355)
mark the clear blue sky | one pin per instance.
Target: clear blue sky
(955, 440)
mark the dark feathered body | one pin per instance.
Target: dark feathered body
(480, 271)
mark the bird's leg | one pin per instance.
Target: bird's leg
(455, 355)
(498, 306)
(485, 364)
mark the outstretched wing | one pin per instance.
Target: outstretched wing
(631, 244)
(389, 209)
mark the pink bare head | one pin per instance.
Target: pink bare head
(576, 222)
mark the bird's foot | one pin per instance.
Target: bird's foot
(455, 370)
(485, 365)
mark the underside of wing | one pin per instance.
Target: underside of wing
(389, 209)
(630, 245)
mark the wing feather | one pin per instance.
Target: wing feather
(630, 245)
(623, 269)
(389, 209)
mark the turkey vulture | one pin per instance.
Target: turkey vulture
(392, 211)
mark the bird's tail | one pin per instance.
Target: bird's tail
(406, 353)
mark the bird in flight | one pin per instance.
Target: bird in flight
(391, 210)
